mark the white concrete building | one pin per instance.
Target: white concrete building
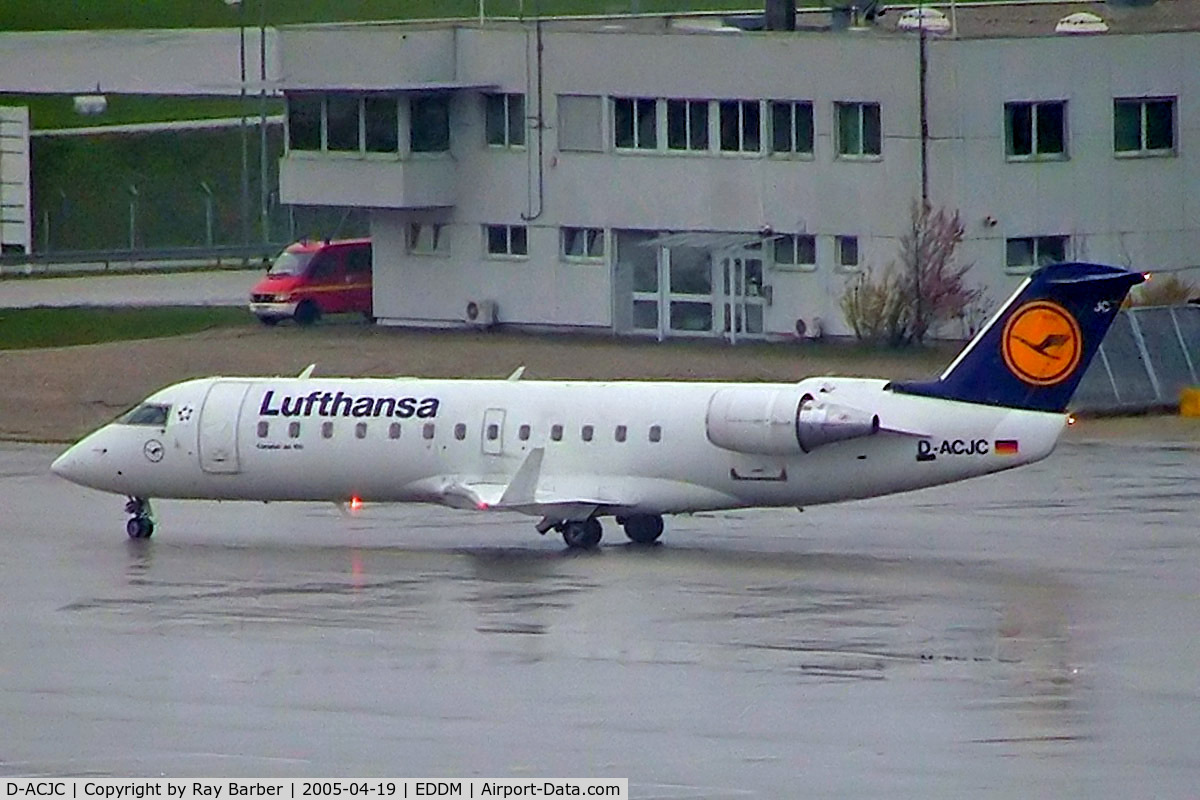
(692, 175)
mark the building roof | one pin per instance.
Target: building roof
(968, 20)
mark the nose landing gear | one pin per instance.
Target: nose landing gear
(141, 521)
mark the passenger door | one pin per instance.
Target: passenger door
(218, 428)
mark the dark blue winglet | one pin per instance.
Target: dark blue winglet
(1034, 351)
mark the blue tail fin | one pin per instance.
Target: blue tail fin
(1034, 351)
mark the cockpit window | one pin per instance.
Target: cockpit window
(150, 414)
(290, 263)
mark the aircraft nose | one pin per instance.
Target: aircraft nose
(77, 465)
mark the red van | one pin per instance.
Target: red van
(309, 279)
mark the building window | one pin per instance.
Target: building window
(523, 433)
(427, 431)
(504, 119)
(796, 251)
(791, 127)
(740, 126)
(342, 122)
(430, 123)
(427, 239)
(394, 430)
(556, 433)
(1025, 254)
(579, 123)
(381, 124)
(1144, 126)
(847, 252)
(1035, 130)
(687, 125)
(304, 121)
(635, 123)
(293, 430)
(621, 433)
(587, 432)
(506, 240)
(859, 134)
(655, 433)
(327, 430)
(583, 244)
(264, 429)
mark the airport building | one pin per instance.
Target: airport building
(728, 175)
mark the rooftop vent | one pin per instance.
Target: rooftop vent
(929, 19)
(1081, 22)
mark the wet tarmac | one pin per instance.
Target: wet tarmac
(1028, 634)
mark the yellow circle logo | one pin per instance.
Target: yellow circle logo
(1042, 343)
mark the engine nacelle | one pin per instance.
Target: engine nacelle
(780, 422)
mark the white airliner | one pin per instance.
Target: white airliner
(572, 452)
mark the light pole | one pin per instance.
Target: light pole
(264, 220)
(208, 212)
(133, 200)
(241, 6)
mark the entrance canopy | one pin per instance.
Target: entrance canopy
(709, 240)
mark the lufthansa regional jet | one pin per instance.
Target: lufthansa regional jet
(574, 452)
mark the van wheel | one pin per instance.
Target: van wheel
(269, 321)
(307, 313)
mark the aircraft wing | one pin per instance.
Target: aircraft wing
(574, 497)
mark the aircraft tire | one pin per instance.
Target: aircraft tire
(139, 527)
(582, 534)
(307, 313)
(643, 528)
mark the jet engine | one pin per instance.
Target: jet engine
(773, 421)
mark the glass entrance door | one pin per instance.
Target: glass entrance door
(742, 294)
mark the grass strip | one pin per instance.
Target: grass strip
(27, 328)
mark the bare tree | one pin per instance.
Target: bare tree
(915, 294)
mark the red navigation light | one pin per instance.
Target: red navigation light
(356, 503)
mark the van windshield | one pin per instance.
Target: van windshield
(290, 263)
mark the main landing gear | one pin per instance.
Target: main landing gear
(141, 521)
(584, 534)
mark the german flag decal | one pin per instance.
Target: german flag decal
(1006, 447)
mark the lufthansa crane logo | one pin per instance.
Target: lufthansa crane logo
(1042, 343)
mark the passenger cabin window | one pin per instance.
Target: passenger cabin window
(149, 414)
(586, 433)
(293, 430)
(556, 432)
(620, 433)
(656, 433)
(360, 430)
(427, 431)
(460, 431)
(493, 432)
(264, 429)
(327, 430)
(394, 430)
(523, 433)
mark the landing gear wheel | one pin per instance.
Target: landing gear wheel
(582, 534)
(139, 527)
(307, 313)
(643, 528)
(141, 521)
